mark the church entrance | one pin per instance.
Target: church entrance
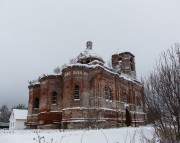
(128, 118)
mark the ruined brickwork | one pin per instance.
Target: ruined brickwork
(88, 94)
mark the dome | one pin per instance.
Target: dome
(88, 55)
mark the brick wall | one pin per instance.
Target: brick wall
(91, 106)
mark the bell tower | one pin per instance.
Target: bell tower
(124, 63)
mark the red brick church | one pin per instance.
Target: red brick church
(86, 93)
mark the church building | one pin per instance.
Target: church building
(88, 94)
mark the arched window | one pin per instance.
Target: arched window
(76, 92)
(54, 97)
(107, 93)
(36, 103)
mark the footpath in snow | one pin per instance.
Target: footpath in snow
(117, 135)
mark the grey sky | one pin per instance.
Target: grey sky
(38, 35)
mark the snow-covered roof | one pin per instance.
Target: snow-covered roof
(88, 53)
(20, 114)
(96, 62)
(125, 76)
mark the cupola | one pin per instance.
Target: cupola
(89, 56)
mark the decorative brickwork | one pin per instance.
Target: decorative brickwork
(88, 94)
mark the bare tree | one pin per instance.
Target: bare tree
(20, 106)
(109, 64)
(4, 114)
(73, 61)
(58, 70)
(162, 90)
(92, 118)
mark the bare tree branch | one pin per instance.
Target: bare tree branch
(162, 89)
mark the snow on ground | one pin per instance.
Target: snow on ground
(117, 135)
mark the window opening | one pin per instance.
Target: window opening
(107, 93)
(132, 64)
(54, 97)
(76, 92)
(36, 104)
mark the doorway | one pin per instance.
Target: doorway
(128, 118)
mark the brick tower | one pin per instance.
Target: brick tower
(124, 63)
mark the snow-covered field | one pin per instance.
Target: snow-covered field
(120, 135)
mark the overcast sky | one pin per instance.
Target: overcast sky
(38, 35)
